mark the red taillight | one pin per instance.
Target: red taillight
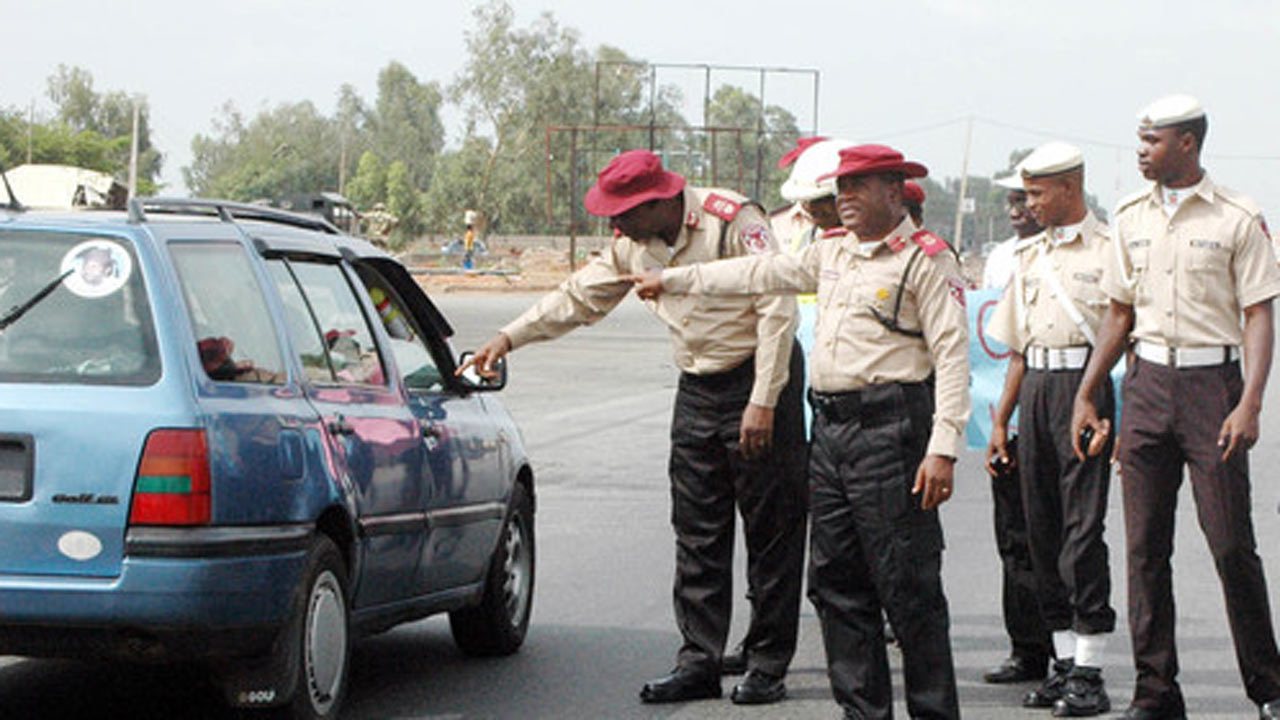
(172, 487)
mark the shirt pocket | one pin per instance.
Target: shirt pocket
(1207, 266)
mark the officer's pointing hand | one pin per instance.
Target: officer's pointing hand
(648, 284)
(935, 479)
(486, 356)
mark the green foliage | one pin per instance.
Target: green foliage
(406, 126)
(747, 161)
(369, 186)
(403, 201)
(81, 109)
(289, 149)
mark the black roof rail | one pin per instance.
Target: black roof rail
(227, 211)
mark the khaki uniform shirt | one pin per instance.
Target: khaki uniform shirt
(852, 350)
(709, 335)
(1188, 277)
(1030, 314)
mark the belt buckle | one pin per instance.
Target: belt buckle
(1173, 356)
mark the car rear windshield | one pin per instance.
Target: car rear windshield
(73, 309)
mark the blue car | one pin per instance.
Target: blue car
(232, 435)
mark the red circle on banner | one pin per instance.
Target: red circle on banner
(982, 336)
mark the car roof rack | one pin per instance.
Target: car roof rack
(227, 211)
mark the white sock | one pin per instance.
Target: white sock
(1064, 644)
(1090, 649)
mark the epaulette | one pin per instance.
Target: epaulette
(1133, 198)
(835, 232)
(931, 244)
(722, 207)
(1240, 200)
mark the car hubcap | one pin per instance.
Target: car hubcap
(518, 570)
(326, 641)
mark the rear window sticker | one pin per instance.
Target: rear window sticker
(97, 268)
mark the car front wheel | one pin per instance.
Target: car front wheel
(497, 625)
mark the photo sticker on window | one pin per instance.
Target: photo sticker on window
(96, 268)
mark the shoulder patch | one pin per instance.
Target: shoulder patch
(835, 232)
(895, 243)
(755, 237)
(930, 243)
(721, 206)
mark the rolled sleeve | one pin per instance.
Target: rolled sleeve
(1254, 267)
(1005, 325)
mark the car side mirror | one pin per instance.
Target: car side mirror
(473, 380)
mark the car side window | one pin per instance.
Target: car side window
(407, 342)
(343, 332)
(301, 325)
(234, 334)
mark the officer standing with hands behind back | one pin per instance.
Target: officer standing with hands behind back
(1190, 257)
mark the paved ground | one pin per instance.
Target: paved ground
(594, 408)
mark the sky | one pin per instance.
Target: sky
(913, 74)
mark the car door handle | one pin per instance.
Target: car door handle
(339, 426)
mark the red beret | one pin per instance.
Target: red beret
(913, 193)
(801, 145)
(634, 177)
(870, 159)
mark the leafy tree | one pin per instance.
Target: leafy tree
(404, 202)
(289, 149)
(406, 126)
(81, 109)
(747, 161)
(369, 186)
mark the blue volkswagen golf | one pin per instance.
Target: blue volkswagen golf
(233, 435)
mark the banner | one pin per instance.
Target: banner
(988, 361)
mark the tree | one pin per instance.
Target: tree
(407, 125)
(747, 161)
(369, 186)
(287, 150)
(81, 109)
(404, 202)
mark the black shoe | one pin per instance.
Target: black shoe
(758, 688)
(1143, 713)
(1050, 691)
(1016, 669)
(1269, 710)
(682, 684)
(735, 663)
(1084, 694)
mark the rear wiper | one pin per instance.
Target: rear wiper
(18, 311)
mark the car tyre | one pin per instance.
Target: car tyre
(321, 637)
(498, 624)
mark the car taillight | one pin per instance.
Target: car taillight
(172, 487)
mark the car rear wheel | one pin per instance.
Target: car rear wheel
(321, 637)
(497, 625)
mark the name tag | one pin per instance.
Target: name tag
(1139, 243)
(1091, 278)
(829, 275)
(1206, 244)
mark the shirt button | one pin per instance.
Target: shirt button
(1169, 271)
(684, 321)
(1171, 228)
(1168, 313)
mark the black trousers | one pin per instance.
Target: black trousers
(1172, 418)
(873, 550)
(1020, 600)
(1066, 503)
(709, 476)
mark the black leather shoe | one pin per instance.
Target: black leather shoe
(682, 684)
(1050, 691)
(735, 663)
(1143, 713)
(1084, 694)
(1016, 669)
(1269, 710)
(758, 688)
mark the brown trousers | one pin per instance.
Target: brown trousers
(1172, 418)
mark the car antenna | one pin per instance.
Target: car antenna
(14, 203)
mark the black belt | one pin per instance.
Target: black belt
(865, 403)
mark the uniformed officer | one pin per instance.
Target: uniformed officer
(890, 387)
(1049, 318)
(737, 432)
(1029, 639)
(813, 211)
(1189, 257)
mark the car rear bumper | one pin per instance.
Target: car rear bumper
(181, 594)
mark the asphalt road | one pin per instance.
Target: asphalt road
(594, 408)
